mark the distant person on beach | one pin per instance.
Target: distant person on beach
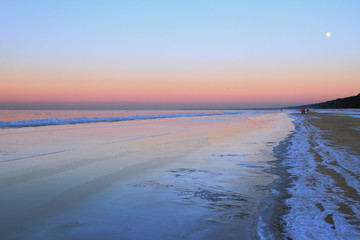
(307, 110)
(303, 111)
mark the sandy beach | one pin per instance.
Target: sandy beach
(343, 134)
(318, 191)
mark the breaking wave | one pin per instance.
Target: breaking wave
(58, 121)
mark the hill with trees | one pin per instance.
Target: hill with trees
(348, 102)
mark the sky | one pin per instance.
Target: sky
(177, 54)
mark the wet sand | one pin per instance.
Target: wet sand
(188, 178)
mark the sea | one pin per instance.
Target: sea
(159, 175)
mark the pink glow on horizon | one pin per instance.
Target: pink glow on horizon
(214, 87)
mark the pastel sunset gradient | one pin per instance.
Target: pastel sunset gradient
(177, 54)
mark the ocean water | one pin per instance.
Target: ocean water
(13, 119)
(173, 175)
(21, 115)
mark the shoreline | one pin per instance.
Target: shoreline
(269, 222)
(317, 192)
(294, 179)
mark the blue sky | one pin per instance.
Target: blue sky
(186, 29)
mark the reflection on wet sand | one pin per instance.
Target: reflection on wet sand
(190, 178)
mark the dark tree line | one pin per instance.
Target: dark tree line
(348, 102)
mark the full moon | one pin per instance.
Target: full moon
(328, 34)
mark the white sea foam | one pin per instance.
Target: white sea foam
(316, 198)
(57, 121)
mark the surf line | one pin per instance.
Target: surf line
(57, 121)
